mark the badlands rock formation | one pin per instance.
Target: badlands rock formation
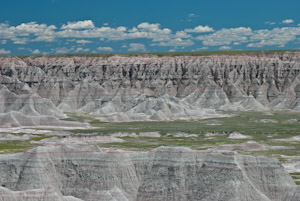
(146, 87)
(39, 91)
(77, 172)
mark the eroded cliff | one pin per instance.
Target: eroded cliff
(149, 87)
(70, 172)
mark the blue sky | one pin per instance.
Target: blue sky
(77, 26)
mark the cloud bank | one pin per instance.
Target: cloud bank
(86, 33)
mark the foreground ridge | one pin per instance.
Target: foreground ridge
(66, 172)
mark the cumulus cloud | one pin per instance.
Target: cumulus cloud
(32, 27)
(82, 31)
(274, 37)
(45, 38)
(105, 49)
(226, 36)
(225, 47)
(175, 42)
(148, 26)
(83, 41)
(149, 31)
(86, 24)
(200, 29)
(30, 32)
(255, 38)
(20, 34)
(270, 23)
(3, 51)
(80, 49)
(288, 21)
(182, 34)
(36, 51)
(136, 47)
(199, 49)
(102, 33)
(62, 50)
(20, 41)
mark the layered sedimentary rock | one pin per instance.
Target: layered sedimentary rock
(88, 173)
(149, 87)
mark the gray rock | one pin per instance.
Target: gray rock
(90, 173)
(149, 88)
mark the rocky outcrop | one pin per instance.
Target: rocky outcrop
(149, 87)
(48, 194)
(71, 172)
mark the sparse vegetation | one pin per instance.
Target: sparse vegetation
(12, 146)
(242, 122)
(247, 123)
(160, 54)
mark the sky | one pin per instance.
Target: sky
(114, 26)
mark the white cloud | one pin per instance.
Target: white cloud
(62, 50)
(288, 21)
(81, 31)
(274, 37)
(20, 41)
(182, 34)
(105, 49)
(80, 49)
(191, 15)
(42, 32)
(201, 48)
(20, 34)
(3, 51)
(254, 45)
(136, 47)
(200, 29)
(45, 38)
(105, 24)
(83, 41)
(149, 31)
(33, 27)
(226, 36)
(86, 24)
(148, 26)
(30, 32)
(36, 51)
(102, 33)
(225, 47)
(155, 36)
(254, 38)
(270, 23)
(27, 32)
(175, 42)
